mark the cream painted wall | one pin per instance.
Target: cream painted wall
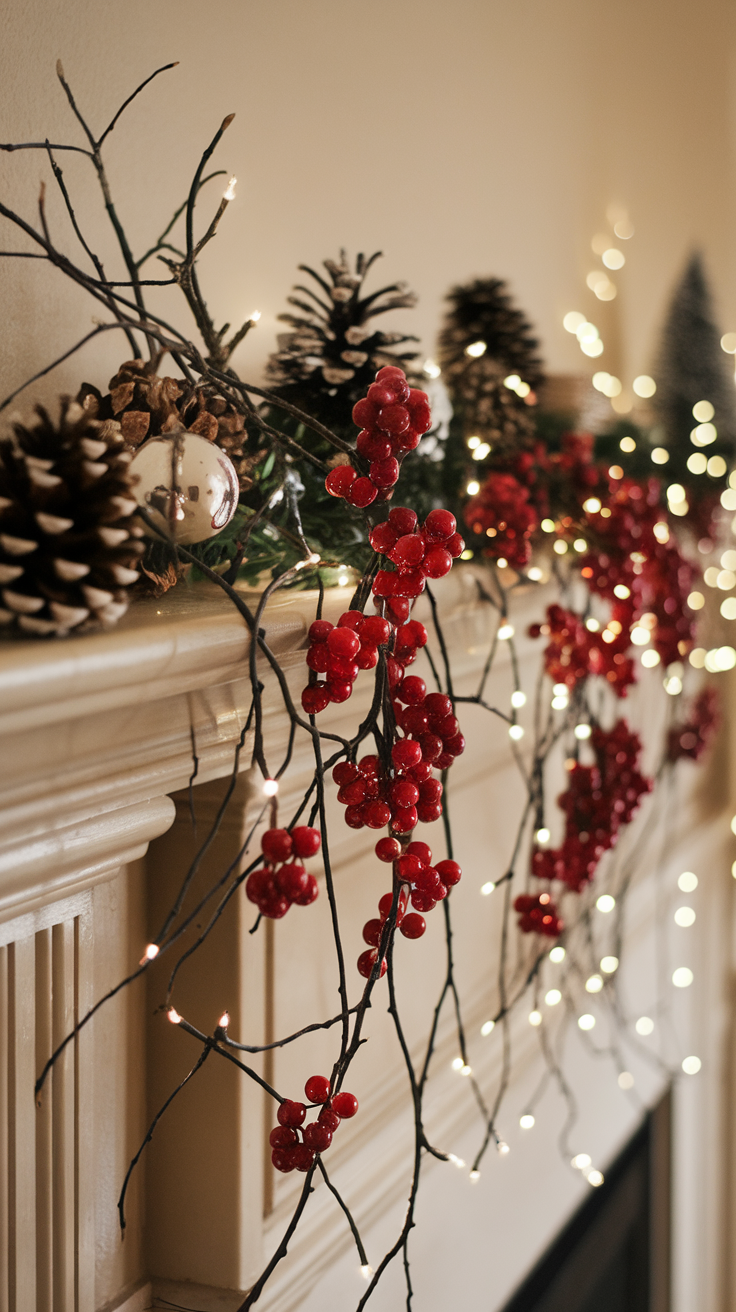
(483, 136)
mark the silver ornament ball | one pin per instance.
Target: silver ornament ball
(187, 484)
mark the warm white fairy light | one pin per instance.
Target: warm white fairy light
(691, 1065)
(605, 903)
(552, 997)
(644, 386)
(582, 731)
(512, 382)
(535, 1018)
(173, 1016)
(548, 526)
(581, 1161)
(574, 320)
(229, 192)
(558, 953)
(505, 632)
(650, 658)
(644, 1026)
(476, 350)
(503, 1148)
(526, 1121)
(487, 888)
(150, 953)
(270, 787)
(501, 562)
(474, 1176)
(627, 444)
(703, 434)
(518, 699)
(580, 544)
(516, 732)
(473, 442)
(684, 917)
(542, 835)
(592, 505)
(626, 1080)
(472, 488)
(366, 1271)
(660, 455)
(586, 1022)
(255, 316)
(595, 1178)
(457, 1063)
(592, 624)
(687, 882)
(487, 1028)
(432, 369)
(224, 1020)
(466, 1070)
(456, 1161)
(593, 984)
(535, 573)
(609, 965)
(683, 977)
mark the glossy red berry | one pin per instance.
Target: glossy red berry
(414, 720)
(404, 820)
(354, 817)
(387, 849)
(276, 845)
(423, 901)
(320, 630)
(308, 893)
(393, 419)
(340, 480)
(318, 657)
(376, 814)
(408, 552)
(449, 872)
(381, 393)
(283, 1159)
(373, 446)
(455, 545)
(291, 1113)
(423, 771)
(345, 1104)
(274, 907)
(339, 690)
(412, 689)
(383, 538)
(372, 932)
(384, 473)
(367, 657)
(259, 885)
(440, 524)
(339, 668)
(317, 1088)
(403, 793)
(397, 609)
(318, 1137)
(329, 1119)
(428, 880)
(430, 745)
(369, 764)
(422, 851)
(315, 698)
(291, 880)
(409, 583)
(438, 705)
(364, 413)
(374, 630)
(305, 841)
(413, 925)
(303, 1157)
(428, 812)
(350, 619)
(406, 753)
(431, 791)
(386, 902)
(343, 642)
(408, 867)
(456, 745)
(402, 520)
(282, 1137)
(366, 962)
(362, 492)
(437, 563)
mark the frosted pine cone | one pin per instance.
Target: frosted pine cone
(69, 546)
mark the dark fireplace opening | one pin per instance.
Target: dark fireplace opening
(614, 1253)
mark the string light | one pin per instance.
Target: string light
(482, 451)
(691, 1065)
(644, 1026)
(503, 1147)
(591, 506)
(501, 562)
(518, 699)
(595, 1178)
(560, 547)
(173, 1016)
(255, 316)
(593, 984)
(487, 1028)
(270, 787)
(487, 888)
(457, 1063)
(476, 350)
(605, 903)
(542, 835)
(644, 386)
(580, 544)
(229, 192)
(535, 573)
(697, 463)
(627, 444)
(613, 259)
(592, 624)
(582, 731)
(703, 411)
(558, 953)
(472, 488)
(512, 382)
(616, 471)
(224, 1020)
(548, 525)
(626, 1080)
(535, 1018)
(581, 1161)
(660, 455)
(366, 1271)
(456, 1161)
(609, 965)
(505, 632)
(150, 953)
(553, 997)
(526, 1121)
(586, 1022)
(684, 917)
(683, 977)
(473, 442)
(717, 466)
(687, 882)
(516, 732)
(474, 1176)
(703, 435)
(431, 369)
(466, 1070)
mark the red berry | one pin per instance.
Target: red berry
(406, 441)
(367, 657)
(317, 1136)
(317, 657)
(413, 926)
(440, 524)
(362, 492)
(340, 480)
(428, 812)
(431, 791)
(443, 761)
(403, 793)
(387, 849)
(345, 1104)
(455, 545)
(340, 670)
(345, 772)
(412, 690)
(383, 538)
(283, 1159)
(406, 753)
(369, 764)
(393, 418)
(303, 1158)
(259, 885)
(414, 720)
(291, 1113)
(394, 671)
(408, 868)
(354, 817)
(364, 414)
(383, 583)
(274, 907)
(366, 962)
(350, 619)
(291, 880)
(376, 814)
(449, 872)
(276, 844)
(409, 551)
(374, 630)
(329, 1119)
(455, 745)
(339, 691)
(282, 1137)
(419, 773)
(374, 446)
(372, 932)
(319, 630)
(428, 881)
(446, 728)
(404, 820)
(307, 894)
(441, 891)
(409, 583)
(438, 705)
(381, 393)
(402, 520)
(315, 698)
(343, 642)
(437, 563)
(431, 746)
(384, 473)
(416, 400)
(397, 610)
(305, 841)
(422, 851)
(423, 901)
(386, 902)
(317, 1088)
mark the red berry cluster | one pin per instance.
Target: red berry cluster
(339, 652)
(574, 652)
(392, 418)
(502, 513)
(419, 881)
(283, 881)
(288, 1151)
(417, 553)
(538, 915)
(691, 738)
(598, 801)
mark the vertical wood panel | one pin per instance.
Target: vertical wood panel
(4, 1180)
(44, 1124)
(22, 1173)
(64, 1114)
(84, 1113)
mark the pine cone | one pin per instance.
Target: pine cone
(146, 405)
(68, 543)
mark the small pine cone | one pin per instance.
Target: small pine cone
(69, 546)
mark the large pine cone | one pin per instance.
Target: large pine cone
(69, 546)
(146, 405)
